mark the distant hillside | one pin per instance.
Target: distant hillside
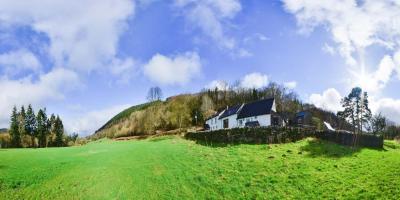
(146, 119)
(3, 130)
(125, 114)
(184, 111)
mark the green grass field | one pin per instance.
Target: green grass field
(174, 168)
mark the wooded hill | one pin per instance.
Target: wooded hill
(188, 110)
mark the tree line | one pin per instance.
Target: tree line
(358, 114)
(42, 131)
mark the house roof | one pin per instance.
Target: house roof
(230, 111)
(214, 115)
(302, 113)
(261, 107)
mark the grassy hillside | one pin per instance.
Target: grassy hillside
(173, 168)
(147, 119)
(125, 114)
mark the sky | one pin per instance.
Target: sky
(87, 60)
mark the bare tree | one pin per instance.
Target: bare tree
(154, 94)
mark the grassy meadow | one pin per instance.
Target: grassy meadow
(174, 168)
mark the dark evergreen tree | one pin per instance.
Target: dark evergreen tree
(378, 123)
(22, 121)
(14, 129)
(366, 114)
(52, 130)
(356, 109)
(154, 94)
(59, 131)
(31, 124)
(42, 127)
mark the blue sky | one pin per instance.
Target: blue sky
(88, 60)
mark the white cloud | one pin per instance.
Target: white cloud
(373, 82)
(354, 26)
(262, 37)
(290, 85)
(16, 61)
(257, 37)
(50, 86)
(243, 53)
(388, 107)
(329, 100)
(75, 42)
(84, 39)
(254, 80)
(329, 49)
(178, 69)
(124, 70)
(89, 122)
(219, 84)
(396, 58)
(210, 16)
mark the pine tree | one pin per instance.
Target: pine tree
(22, 121)
(59, 131)
(366, 114)
(31, 124)
(52, 130)
(14, 129)
(42, 127)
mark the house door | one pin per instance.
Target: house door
(226, 123)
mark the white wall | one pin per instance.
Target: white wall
(264, 120)
(214, 123)
(232, 122)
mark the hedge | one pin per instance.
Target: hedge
(276, 135)
(258, 135)
(350, 139)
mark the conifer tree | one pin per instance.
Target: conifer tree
(22, 121)
(42, 127)
(14, 129)
(52, 130)
(31, 124)
(59, 131)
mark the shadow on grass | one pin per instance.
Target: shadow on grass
(318, 147)
(314, 147)
(221, 144)
(161, 138)
(321, 148)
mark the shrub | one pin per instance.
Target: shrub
(271, 135)
(258, 135)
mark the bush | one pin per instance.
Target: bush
(258, 135)
(274, 135)
(350, 139)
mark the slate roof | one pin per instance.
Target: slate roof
(214, 115)
(230, 111)
(302, 113)
(261, 107)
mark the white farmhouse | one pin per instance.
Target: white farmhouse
(257, 113)
(213, 123)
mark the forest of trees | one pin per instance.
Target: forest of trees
(28, 129)
(358, 114)
(189, 110)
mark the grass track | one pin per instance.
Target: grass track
(174, 168)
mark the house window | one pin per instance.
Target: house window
(255, 117)
(240, 122)
(226, 123)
